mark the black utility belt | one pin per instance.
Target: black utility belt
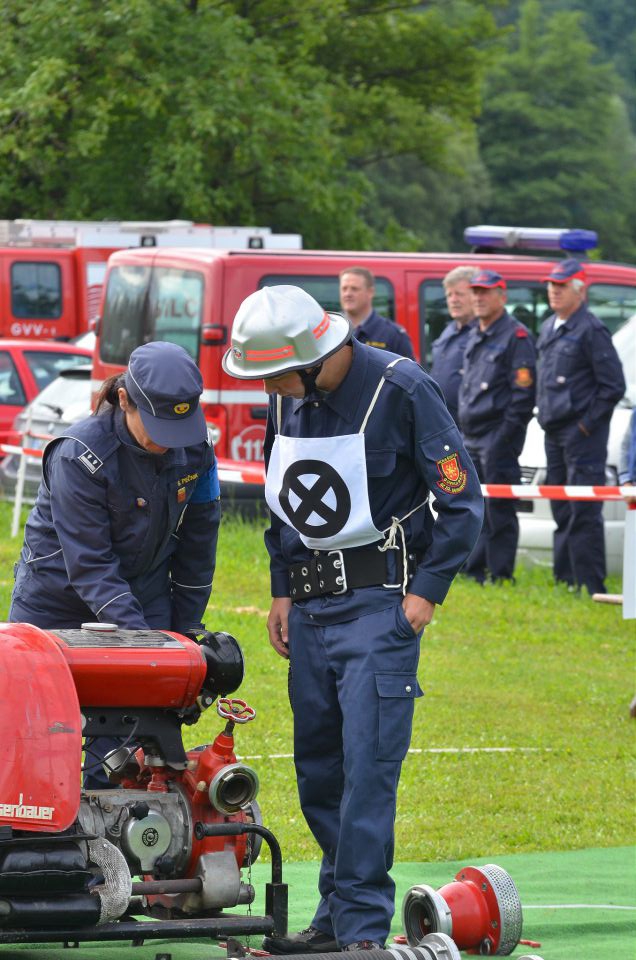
(336, 571)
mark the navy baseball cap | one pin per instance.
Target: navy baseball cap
(165, 384)
(565, 271)
(488, 279)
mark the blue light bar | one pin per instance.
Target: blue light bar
(530, 238)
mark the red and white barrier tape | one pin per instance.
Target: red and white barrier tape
(232, 471)
(235, 471)
(551, 492)
(25, 451)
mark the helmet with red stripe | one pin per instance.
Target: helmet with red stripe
(279, 329)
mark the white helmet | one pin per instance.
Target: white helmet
(280, 329)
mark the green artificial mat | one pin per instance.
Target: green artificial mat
(580, 905)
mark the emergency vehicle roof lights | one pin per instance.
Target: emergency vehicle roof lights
(530, 238)
(156, 226)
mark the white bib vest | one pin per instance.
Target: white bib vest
(318, 485)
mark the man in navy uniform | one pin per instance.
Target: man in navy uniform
(357, 289)
(356, 440)
(496, 398)
(449, 348)
(580, 382)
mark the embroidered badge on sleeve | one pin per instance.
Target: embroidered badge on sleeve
(523, 377)
(453, 476)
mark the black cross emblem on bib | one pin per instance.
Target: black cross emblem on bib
(312, 498)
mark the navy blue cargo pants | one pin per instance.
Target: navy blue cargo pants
(579, 538)
(354, 661)
(496, 461)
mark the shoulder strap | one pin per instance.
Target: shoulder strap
(279, 413)
(377, 393)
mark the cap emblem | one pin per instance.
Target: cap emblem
(181, 407)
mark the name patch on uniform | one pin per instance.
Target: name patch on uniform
(91, 461)
(377, 343)
(188, 479)
(453, 476)
(523, 377)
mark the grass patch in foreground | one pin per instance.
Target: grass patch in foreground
(522, 742)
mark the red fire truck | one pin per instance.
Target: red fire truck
(52, 271)
(191, 297)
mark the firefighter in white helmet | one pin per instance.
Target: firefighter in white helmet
(356, 440)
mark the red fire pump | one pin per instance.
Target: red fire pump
(185, 823)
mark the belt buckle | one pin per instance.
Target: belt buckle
(339, 562)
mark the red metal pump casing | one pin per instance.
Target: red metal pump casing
(107, 675)
(45, 679)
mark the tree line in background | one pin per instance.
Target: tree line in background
(388, 124)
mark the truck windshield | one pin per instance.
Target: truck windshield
(150, 303)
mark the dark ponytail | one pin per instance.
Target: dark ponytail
(108, 393)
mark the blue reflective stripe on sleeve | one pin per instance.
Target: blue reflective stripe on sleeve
(207, 487)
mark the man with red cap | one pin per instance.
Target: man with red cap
(496, 398)
(580, 382)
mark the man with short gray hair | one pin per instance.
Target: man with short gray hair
(580, 381)
(449, 348)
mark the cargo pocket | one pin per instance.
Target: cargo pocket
(396, 696)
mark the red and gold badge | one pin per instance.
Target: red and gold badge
(181, 494)
(453, 476)
(523, 377)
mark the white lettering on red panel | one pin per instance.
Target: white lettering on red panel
(248, 445)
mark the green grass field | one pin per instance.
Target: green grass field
(522, 743)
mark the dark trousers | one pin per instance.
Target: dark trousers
(579, 538)
(354, 669)
(496, 461)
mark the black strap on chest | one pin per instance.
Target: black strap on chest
(336, 571)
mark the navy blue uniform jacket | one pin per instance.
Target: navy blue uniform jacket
(379, 332)
(114, 528)
(412, 448)
(580, 375)
(448, 362)
(498, 384)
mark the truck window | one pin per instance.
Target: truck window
(11, 389)
(326, 290)
(36, 290)
(612, 303)
(527, 302)
(46, 365)
(150, 303)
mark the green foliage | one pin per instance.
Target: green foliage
(228, 112)
(610, 23)
(555, 137)
(358, 123)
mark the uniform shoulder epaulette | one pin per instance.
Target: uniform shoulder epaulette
(88, 458)
(521, 332)
(91, 447)
(403, 374)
